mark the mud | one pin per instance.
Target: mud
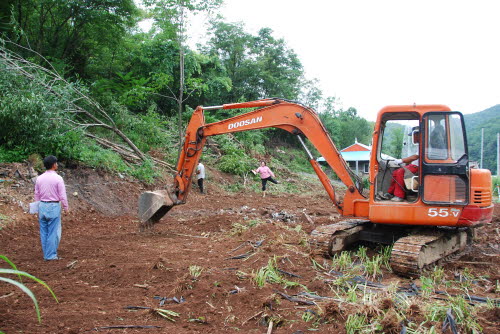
(107, 264)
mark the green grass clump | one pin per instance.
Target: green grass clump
(373, 266)
(270, 274)
(167, 314)
(22, 286)
(240, 228)
(4, 220)
(342, 261)
(357, 323)
(195, 271)
(464, 314)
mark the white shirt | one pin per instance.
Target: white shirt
(400, 161)
(200, 171)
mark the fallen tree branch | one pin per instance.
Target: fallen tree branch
(126, 153)
(47, 78)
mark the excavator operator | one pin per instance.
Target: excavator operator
(396, 191)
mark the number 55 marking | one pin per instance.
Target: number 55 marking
(442, 212)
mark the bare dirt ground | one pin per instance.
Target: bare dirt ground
(108, 265)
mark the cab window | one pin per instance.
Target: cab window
(445, 138)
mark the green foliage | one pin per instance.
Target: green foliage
(357, 323)
(80, 36)
(293, 159)
(257, 66)
(465, 314)
(495, 185)
(14, 154)
(489, 120)
(30, 118)
(392, 142)
(234, 159)
(136, 77)
(235, 163)
(345, 126)
(20, 285)
(145, 172)
(148, 131)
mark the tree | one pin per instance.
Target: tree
(345, 126)
(278, 68)
(72, 34)
(170, 16)
(258, 66)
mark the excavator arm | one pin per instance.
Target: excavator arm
(289, 116)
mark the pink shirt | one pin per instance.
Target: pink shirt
(50, 187)
(264, 172)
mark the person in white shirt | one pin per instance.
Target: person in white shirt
(200, 175)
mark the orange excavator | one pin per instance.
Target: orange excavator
(444, 201)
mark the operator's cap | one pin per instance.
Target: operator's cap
(415, 128)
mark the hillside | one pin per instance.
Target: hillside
(488, 119)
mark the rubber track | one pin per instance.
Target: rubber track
(405, 254)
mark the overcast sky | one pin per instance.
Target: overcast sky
(372, 53)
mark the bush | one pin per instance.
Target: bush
(496, 185)
(30, 117)
(238, 164)
(147, 131)
(234, 159)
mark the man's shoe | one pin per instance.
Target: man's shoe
(385, 196)
(397, 199)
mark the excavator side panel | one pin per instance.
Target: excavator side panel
(416, 213)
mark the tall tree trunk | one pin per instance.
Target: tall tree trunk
(181, 73)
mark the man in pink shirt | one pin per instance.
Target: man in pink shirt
(51, 192)
(265, 175)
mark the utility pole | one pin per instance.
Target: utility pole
(498, 154)
(482, 141)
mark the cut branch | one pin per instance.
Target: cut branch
(48, 78)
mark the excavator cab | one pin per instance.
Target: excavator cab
(439, 189)
(442, 175)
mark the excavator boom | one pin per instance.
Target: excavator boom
(292, 117)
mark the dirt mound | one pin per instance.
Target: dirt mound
(88, 189)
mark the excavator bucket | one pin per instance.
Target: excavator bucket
(153, 205)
